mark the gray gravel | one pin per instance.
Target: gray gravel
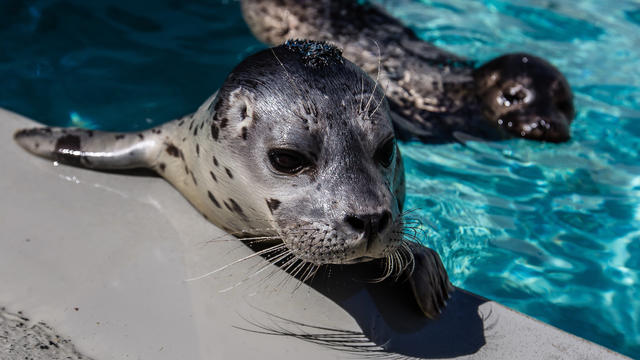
(22, 339)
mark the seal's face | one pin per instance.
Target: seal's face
(323, 153)
(526, 96)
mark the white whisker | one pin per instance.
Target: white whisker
(375, 86)
(381, 100)
(273, 248)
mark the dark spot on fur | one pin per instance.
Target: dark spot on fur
(181, 123)
(119, 136)
(236, 208)
(186, 169)
(191, 125)
(215, 105)
(140, 136)
(193, 177)
(198, 150)
(90, 133)
(173, 150)
(244, 132)
(273, 204)
(227, 206)
(65, 147)
(229, 174)
(37, 145)
(213, 176)
(162, 166)
(195, 131)
(223, 123)
(215, 131)
(215, 161)
(213, 199)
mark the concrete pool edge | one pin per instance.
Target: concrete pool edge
(102, 259)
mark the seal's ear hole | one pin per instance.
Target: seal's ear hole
(240, 111)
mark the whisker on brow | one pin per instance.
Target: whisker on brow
(375, 86)
(381, 100)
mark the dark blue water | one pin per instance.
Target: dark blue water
(550, 230)
(113, 64)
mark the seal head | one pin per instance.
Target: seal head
(526, 96)
(319, 151)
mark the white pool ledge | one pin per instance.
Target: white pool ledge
(102, 258)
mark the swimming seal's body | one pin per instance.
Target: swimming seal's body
(296, 146)
(435, 94)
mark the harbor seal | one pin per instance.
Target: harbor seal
(296, 147)
(434, 94)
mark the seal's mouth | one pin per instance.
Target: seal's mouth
(359, 260)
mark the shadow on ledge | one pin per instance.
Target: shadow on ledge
(391, 322)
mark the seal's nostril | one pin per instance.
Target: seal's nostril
(369, 223)
(355, 222)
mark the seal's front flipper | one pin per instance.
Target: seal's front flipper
(429, 281)
(91, 149)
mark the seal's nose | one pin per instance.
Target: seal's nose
(369, 224)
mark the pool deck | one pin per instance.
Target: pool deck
(102, 260)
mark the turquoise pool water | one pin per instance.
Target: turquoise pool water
(550, 230)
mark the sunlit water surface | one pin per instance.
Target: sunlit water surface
(550, 230)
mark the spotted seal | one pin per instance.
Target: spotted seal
(297, 146)
(434, 94)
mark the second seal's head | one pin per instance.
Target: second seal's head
(526, 96)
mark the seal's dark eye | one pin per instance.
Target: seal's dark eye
(287, 161)
(384, 154)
